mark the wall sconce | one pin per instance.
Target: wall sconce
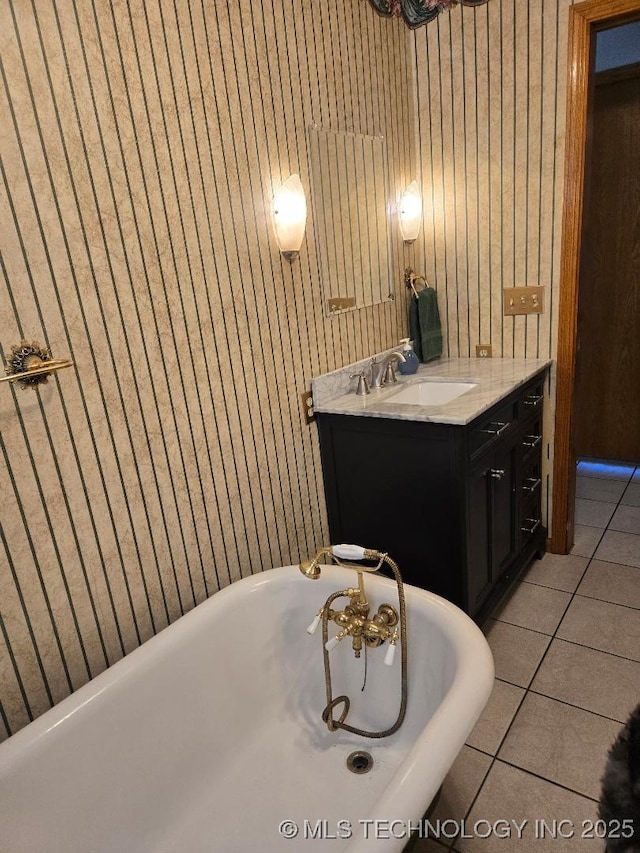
(290, 216)
(410, 213)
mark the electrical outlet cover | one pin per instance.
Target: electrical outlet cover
(483, 351)
(307, 407)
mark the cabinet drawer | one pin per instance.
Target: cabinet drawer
(531, 485)
(499, 423)
(531, 399)
(531, 440)
(530, 513)
(531, 497)
(530, 525)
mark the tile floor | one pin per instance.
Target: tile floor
(566, 646)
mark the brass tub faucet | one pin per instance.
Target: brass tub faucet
(386, 625)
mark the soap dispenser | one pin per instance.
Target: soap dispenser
(411, 362)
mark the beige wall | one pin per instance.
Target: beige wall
(141, 143)
(491, 88)
(491, 93)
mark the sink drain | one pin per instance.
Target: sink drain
(359, 761)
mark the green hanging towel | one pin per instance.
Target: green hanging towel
(414, 327)
(430, 331)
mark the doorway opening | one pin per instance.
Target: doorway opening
(585, 20)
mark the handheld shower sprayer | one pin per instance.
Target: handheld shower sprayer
(354, 622)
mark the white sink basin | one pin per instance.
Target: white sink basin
(429, 392)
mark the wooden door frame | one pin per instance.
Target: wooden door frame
(584, 20)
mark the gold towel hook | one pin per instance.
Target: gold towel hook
(31, 364)
(412, 278)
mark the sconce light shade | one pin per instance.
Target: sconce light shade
(410, 212)
(290, 216)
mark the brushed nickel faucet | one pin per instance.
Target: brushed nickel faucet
(382, 372)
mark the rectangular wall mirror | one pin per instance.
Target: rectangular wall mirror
(350, 203)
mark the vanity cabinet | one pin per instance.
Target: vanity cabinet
(457, 507)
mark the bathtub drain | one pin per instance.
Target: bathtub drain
(359, 761)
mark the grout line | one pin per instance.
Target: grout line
(591, 648)
(608, 601)
(549, 781)
(578, 707)
(533, 630)
(573, 593)
(546, 586)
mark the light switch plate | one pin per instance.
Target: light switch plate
(523, 300)
(483, 351)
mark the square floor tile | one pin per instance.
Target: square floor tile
(558, 571)
(617, 547)
(534, 607)
(626, 519)
(461, 785)
(586, 540)
(510, 794)
(596, 489)
(600, 625)
(631, 496)
(594, 513)
(496, 718)
(563, 744)
(591, 680)
(516, 651)
(604, 469)
(636, 476)
(612, 582)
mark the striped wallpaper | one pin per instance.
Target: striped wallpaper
(141, 143)
(491, 93)
(491, 89)
(140, 148)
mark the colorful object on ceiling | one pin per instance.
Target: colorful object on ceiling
(418, 12)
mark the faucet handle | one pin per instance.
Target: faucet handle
(363, 385)
(333, 642)
(389, 375)
(314, 625)
(391, 651)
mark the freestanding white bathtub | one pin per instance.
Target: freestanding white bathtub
(208, 738)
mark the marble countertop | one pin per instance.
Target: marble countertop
(494, 378)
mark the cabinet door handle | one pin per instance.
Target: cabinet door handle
(533, 399)
(496, 473)
(532, 440)
(533, 484)
(534, 524)
(500, 428)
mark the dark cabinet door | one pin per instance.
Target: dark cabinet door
(503, 509)
(479, 580)
(492, 517)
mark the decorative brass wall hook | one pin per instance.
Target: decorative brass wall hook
(31, 364)
(411, 279)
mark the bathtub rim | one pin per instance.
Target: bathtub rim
(406, 795)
